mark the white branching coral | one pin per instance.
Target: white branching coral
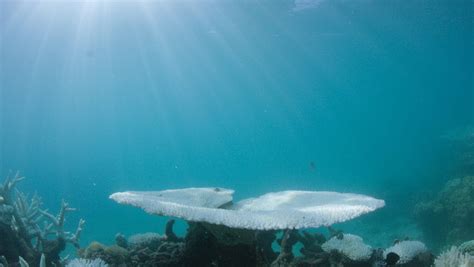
(8, 186)
(349, 245)
(454, 257)
(87, 263)
(280, 210)
(407, 250)
(26, 216)
(56, 225)
(29, 212)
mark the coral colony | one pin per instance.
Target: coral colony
(29, 234)
(272, 211)
(220, 232)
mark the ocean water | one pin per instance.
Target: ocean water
(101, 96)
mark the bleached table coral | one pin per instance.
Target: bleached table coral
(279, 210)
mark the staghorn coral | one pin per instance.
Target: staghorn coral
(22, 262)
(21, 221)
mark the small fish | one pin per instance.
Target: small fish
(90, 53)
(392, 259)
(312, 165)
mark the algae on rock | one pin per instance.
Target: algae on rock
(449, 218)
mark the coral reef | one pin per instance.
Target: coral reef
(222, 233)
(467, 247)
(461, 148)
(152, 240)
(148, 249)
(407, 250)
(24, 243)
(449, 217)
(289, 239)
(351, 246)
(29, 233)
(87, 263)
(202, 247)
(454, 257)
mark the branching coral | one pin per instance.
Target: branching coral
(21, 221)
(289, 238)
(56, 225)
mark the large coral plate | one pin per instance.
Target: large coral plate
(279, 210)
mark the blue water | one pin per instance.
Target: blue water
(103, 96)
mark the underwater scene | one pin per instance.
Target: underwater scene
(237, 133)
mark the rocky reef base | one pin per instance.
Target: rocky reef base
(448, 217)
(211, 245)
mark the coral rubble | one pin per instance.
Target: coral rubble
(29, 234)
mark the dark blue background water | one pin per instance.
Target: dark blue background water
(106, 96)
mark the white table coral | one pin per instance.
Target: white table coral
(280, 210)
